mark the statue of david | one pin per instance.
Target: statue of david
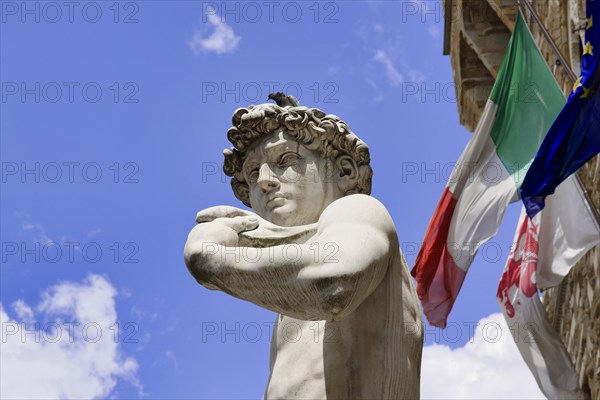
(319, 251)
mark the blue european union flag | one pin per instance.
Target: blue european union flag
(574, 137)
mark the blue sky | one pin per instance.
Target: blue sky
(122, 122)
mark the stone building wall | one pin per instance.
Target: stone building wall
(476, 35)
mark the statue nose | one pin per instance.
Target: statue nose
(266, 178)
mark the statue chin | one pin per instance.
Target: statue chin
(286, 217)
(281, 218)
(284, 214)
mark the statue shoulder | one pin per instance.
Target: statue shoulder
(358, 209)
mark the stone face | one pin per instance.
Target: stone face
(574, 306)
(319, 251)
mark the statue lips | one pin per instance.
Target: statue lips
(275, 200)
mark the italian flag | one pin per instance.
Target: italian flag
(524, 102)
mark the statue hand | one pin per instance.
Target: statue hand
(266, 234)
(212, 213)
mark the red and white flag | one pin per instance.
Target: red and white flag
(544, 250)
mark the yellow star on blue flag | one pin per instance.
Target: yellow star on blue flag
(588, 49)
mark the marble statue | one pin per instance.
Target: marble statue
(319, 251)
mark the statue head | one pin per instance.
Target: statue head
(290, 162)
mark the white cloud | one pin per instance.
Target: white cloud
(433, 30)
(416, 76)
(374, 6)
(379, 97)
(39, 231)
(23, 311)
(171, 357)
(221, 40)
(333, 70)
(94, 232)
(394, 76)
(71, 351)
(36, 232)
(488, 367)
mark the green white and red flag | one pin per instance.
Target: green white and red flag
(522, 106)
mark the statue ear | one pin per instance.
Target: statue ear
(348, 173)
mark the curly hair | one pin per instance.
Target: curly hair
(328, 134)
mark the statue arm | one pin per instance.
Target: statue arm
(325, 279)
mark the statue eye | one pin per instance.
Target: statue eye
(288, 159)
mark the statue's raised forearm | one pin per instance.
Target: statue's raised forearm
(320, 279)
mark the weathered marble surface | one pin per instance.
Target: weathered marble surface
(319, 251)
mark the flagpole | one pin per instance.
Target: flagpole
(573, 78)
(557, 52)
